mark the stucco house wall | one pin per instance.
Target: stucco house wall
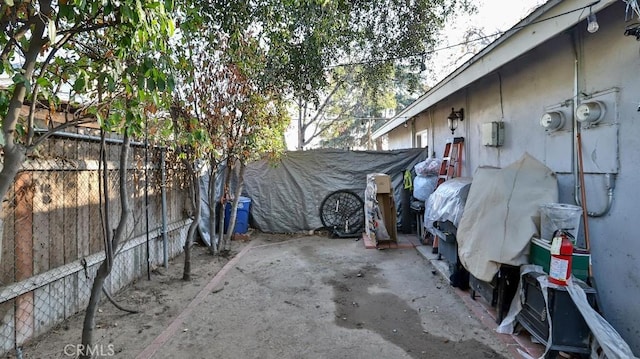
(401, 139)
(607, 65)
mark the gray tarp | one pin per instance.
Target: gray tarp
(205, 213)
(286, 197)
(499, 216)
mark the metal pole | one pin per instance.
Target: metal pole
(77, 136)
(146, 194)
(163, 189)
(300, 131)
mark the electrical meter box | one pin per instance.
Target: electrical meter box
(493, 134)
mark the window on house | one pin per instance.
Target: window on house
(422, 139)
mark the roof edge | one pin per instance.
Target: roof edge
(523, 41)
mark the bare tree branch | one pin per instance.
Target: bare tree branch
(323, 126)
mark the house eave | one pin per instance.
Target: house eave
(527, 34)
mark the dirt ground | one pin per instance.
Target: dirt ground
(289, 297)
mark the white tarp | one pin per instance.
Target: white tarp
(446, 203)
(499, 216)
(605, 335)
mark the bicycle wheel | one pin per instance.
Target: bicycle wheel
(343, 212)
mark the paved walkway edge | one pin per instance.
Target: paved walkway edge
(168, 333)
(480, 309)
(483, 312)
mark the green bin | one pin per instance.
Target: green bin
(539, 253)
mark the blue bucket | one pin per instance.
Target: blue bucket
(242, 215)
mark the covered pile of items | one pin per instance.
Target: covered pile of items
(498, 224)
(426, 178)
(443, 211)
(518, 245)
(499, 216)
(424, 184)
(379, 209)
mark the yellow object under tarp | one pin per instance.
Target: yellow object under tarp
(408, 183)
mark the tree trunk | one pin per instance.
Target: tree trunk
(13, 159)
(195, 197)
(105, 268)
(211, 196)
(300, 127)
(92, 309)
(234, 206)
(225, 196)
(221, 231)
(15, 153)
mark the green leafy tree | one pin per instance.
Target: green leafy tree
(90, 61)
(190, 143)
(195, 54)
(382, 42)
(362, 107)
(245, 118)
(233, 96)
(303, 39)
(254, 129)
(46, 51)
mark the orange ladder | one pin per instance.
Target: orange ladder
(451, 167)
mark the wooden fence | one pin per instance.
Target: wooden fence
(51, 232)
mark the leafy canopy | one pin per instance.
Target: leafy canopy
(102, 58)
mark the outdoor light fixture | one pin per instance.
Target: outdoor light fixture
(453, 119)
(592, 22)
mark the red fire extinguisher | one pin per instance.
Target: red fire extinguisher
(561, 255)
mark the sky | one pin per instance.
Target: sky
(492, 16)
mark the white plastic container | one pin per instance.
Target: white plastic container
(555, 216)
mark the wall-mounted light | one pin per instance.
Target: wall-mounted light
(453, 119)
(592, 22)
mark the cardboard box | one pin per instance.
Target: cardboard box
(387, 207)
(383, 182)
(380, 208)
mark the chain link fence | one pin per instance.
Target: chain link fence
(52, 231)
